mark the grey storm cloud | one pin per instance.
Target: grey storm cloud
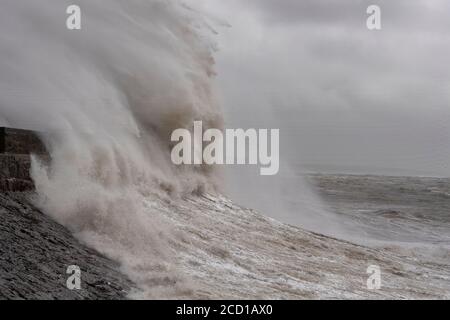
(415, 14)
(342, 94)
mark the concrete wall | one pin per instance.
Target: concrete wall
(18, 141)
(16, 145)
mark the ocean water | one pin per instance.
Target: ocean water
(391, 209)
(220, 250)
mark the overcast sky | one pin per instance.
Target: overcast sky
(343, 96)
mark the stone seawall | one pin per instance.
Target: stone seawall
(35, 253)
(19, 141)
(16, 145)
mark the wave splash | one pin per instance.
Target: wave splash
(108, 96)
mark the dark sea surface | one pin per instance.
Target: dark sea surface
(393, 209)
